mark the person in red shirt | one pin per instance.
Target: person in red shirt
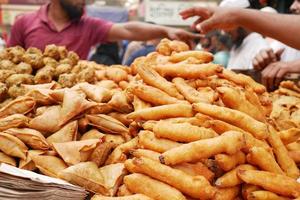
(63, 22)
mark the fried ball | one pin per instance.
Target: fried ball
(52, 51)
(4, 103)
(4, 54)
(63, 52)
(81, 65)
(44, 75)
(33, 50)
(3, 91)
(73, 57)
(116, 74)
(23, 68)
(16, 91)
(63, 69)
(34, 57)
(86, 75)
(6, 64)
(16, 54)
(17, 79)
(50, 62)
(67, 80)
(4, 74)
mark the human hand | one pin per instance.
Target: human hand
(273, 74)
(265, 57)
(212, 18)
(182, 35)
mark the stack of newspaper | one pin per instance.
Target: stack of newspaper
(26, 185)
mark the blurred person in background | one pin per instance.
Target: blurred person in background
(246, 43)
(278, 56)
(231, 18)
(222, 50)
(131, 48)
(147, 47)
(107, 54)
(63, 22)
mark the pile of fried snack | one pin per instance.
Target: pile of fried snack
(174, 126)
(33, 66)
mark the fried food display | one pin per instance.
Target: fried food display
(171, 126)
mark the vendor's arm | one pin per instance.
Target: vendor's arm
(139, 31)
(285, 28)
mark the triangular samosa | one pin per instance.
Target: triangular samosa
(67, 134)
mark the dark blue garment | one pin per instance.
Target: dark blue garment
(142, 52)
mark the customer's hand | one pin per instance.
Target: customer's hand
(273, 74)
(182, 35)
(212, 18)
(265, 57)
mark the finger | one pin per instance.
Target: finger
(196, 11)
(279, 53)
(256, 65)
(271, 55)
(266, 58)
(264, 75)
(272, 76)
(279, 76)
(198, 21)
(260, 61)
(207, 25)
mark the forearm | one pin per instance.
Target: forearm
(285, 28)
(142, 31)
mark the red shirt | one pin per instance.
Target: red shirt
(36, 30)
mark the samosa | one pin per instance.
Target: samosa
(7, 159)
(13, 121)
(76, 151)
(12, 146)
(30, 137)
(67, 134)
(22, 105)
(28, 164)
(49, 165)
(92, 134)
(96, 93)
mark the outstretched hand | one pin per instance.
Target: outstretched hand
(212, 18)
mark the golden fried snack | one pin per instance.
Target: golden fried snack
(30, 137)
(101, 153)
(247, 189)
(96, 93)
(42, 122)
(116, 74)
(227, 193)
(28, 164)
(237, 118)
(15, 53)
(6, 65)
(17, 79)
(141, 184)
(182, 132)
(243, 80)
(76, 151)
(153, 155)
(194, 186)
(188, 71)
(123, 191)
(34, 57)
(229, 162)
(120, 102)
(166, 47)
(286, 163)
(100, 108)
(52, 51)
(41, 96)
(152, 78)
(44, 75)
(131, 197)
(121, 117)
(73, 58)
(115, 139)
(231, 178)
(13, 121)
(21, 105)
(290, 85)
(288, 92)
(139, 104)
(74, 103)
(279, 184)
(290, 135)
(12, 146)
(230, 142)
(295, 155)
(202, 56)
(23, 68)
(63, 69)
(162, 112)
(16, 91)
(108, 124)
(265, 195)
(295, 146)
(264, 160)
(67, 134)
(196, 169)
(92, 134)
(119, 153)
(7, 159)
(190, 93)
(147, 140)
(49, 165)
(67, 80)
(86, 75)
(5, 73)
(152, 95)
(235, 99)
(259, 102)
